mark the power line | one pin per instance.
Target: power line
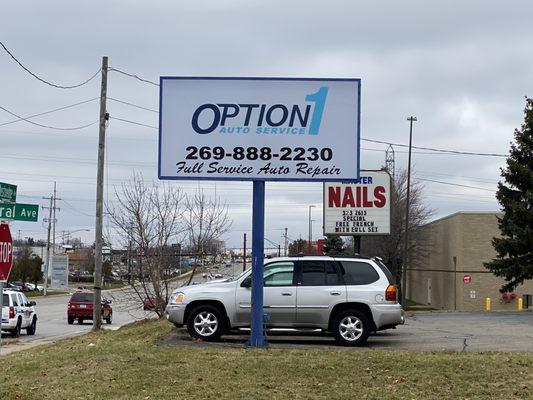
(46, 126)
(133, 105)
(133, 76)
(71, 207)
(43, 80)
(456, 184)
(133, 122)
(49, 112)
(469, 153)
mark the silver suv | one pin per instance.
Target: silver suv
(349, 297)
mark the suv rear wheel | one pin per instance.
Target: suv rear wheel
(351, 328)
(206, 323)
(70, 320)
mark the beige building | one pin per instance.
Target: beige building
(448, 272)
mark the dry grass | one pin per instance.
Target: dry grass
(128, 364)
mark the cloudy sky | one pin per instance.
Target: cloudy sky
(462, 68)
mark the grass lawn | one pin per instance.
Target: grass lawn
(128, 364)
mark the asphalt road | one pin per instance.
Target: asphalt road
(52, 314)
(426, 331)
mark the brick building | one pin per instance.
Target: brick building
(448, 273)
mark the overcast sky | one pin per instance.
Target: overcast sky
(462, 68)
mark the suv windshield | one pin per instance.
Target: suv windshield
(82, 298)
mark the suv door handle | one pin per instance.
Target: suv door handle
(286, 294)
(335, 293)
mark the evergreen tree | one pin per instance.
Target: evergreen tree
(333, 246)
(514, 261)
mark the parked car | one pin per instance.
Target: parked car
(13, 286)
(31, 287)
(18, 313)
(80, 307)
(349, 297)
(150, 302)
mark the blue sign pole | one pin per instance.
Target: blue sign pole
(257, 338)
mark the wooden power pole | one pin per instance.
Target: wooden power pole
(97, 305)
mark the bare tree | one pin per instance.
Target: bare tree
(149, 217)
(390, 247)
(206, 220)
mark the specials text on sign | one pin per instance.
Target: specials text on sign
(358, 209)
(259, 129)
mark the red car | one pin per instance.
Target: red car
(150, 302)
(80, 307)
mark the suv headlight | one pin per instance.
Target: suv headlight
(177, 298)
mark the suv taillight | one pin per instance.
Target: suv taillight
(11, 312)
(390, 293)
(69, 306)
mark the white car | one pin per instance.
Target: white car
(18, 313)
(31, 287)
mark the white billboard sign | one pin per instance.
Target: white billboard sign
(358, 209)
(59, 279)
(259, 129)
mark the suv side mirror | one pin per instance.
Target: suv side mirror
(33, 303)
(247, 282)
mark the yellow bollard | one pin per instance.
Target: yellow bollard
(520, 304)
(487, 304)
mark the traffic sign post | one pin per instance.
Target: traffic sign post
(26, 212)
(6, 252)
(6, 262)
(7, 211)
(19, 212)
(8, 193)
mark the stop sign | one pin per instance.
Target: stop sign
(6, 252)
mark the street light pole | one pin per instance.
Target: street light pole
(310, 231)
(406, 236)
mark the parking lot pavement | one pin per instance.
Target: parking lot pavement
(427, 331)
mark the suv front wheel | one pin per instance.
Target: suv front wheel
(351, 328)
(206, 323)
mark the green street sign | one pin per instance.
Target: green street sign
(19, 211)
(26, 212)
(7, 210)
(8, 193)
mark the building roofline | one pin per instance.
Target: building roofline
(495, 213)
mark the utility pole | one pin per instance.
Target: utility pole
(406, 241)
(48, 245)
(54, 220)
(97, 305)
(389, 160)
(310, 230)
(286, 242)
(51, 223)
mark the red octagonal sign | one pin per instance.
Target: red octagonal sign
(6, 252)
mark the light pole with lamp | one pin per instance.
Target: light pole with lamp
(68, 233)
(406, 241)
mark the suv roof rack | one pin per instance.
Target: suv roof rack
(336, 256)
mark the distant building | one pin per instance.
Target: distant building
(448, 273)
